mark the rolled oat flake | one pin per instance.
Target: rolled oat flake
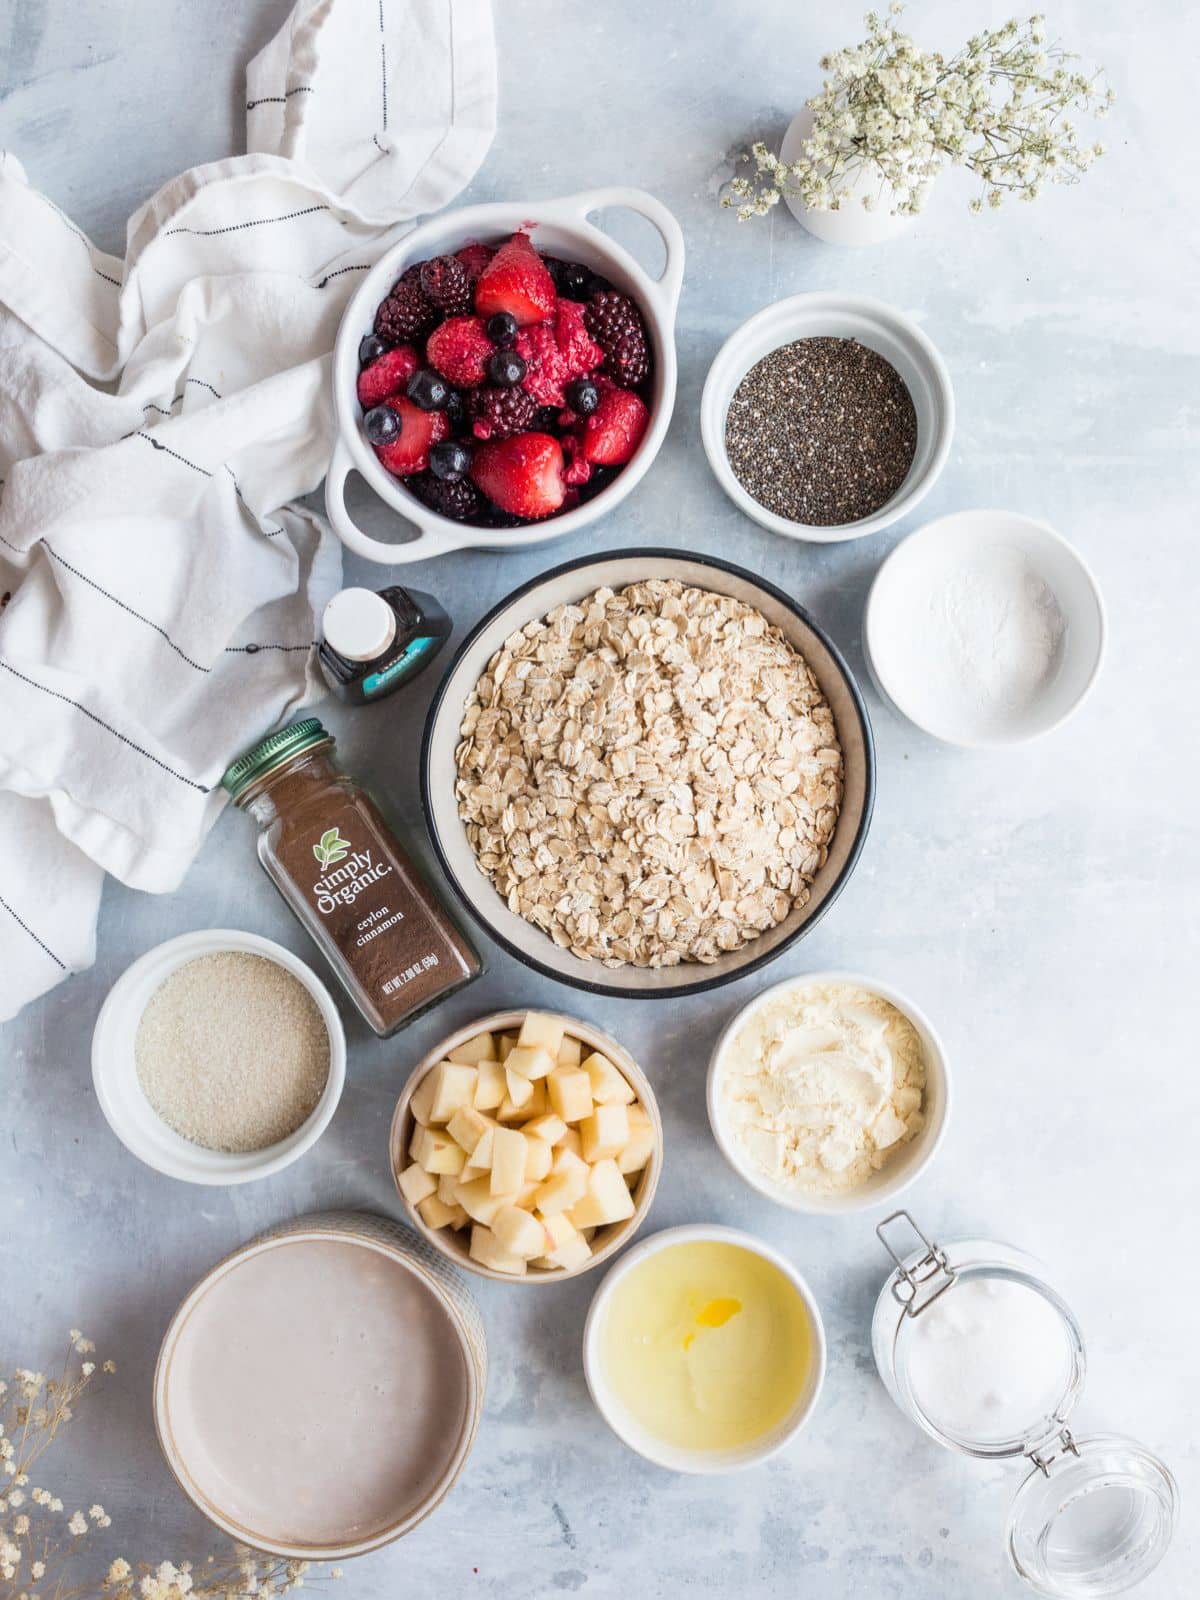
(821, 431)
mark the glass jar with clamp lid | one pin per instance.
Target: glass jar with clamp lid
(977, 1347)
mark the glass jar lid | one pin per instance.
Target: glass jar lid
(1094, 1517)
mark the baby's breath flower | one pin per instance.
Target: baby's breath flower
(999, 107)
(78, 1524)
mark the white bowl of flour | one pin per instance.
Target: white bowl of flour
(984, 628)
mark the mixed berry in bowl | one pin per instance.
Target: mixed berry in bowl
(503, 386)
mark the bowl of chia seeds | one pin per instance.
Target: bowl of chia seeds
(827, 416)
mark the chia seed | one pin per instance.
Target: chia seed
(821, 431)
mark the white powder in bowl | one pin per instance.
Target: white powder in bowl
(822, 1085)
(232, 1051)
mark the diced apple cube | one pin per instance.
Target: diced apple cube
(481, 1048)
(525, 1195)
(556, 1231)
(504, 1044)
(437, 1151)
(467, 1127)
(422, 1100)
(529, 1061)
(435, 1213)
(570, 1141)
(566, 1160)
(573, 1253)
(542, 1032)
(416, 1184)
(481, 1156)
(540, 1104)
(570, 1052)
(478, 1201)
(447, 1188)
(640, 1147)
(508, 1161)
(520, 1090)
(608, 1084)
(453, 1086)
(510, 1113)
(489, 1086)
(519, 1231)
(570, 1091)
(538, 1158)
(566, 1185)
(607, 1199)
(605, 1133)
(489, 1252)
(549, 1128)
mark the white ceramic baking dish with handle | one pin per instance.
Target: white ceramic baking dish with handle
(559, 227)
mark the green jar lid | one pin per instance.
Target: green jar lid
(271, 752)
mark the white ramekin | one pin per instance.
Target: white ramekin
(840, 316)
(921, 565)
(560, 227)
(907, 1164)
(123, 1102)
(628, 1430)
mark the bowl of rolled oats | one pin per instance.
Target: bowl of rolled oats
(648, 773)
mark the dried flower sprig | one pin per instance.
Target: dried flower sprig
(40, 1541)
(999, 107)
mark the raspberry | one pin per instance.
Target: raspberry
(456, 498)
(616, 325)
(447, 283)
(460, 350)
(475, 258)
(408, 311)
(499, 413)
(555, 355)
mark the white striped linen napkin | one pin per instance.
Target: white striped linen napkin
(158, 416)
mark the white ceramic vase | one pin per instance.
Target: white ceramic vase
(851, 224)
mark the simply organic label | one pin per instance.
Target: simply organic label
(341, 885)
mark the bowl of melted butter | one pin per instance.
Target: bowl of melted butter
(704, 1350)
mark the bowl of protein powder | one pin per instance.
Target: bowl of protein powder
(984, 628)
(829, 1093)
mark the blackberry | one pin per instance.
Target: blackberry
(545, 419)
(456, 498)
(571, 280)
(499, 413)
(615, 323)
(600, 479)
(447, 283)
(408, 311)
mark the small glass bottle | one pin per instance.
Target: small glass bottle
(374, 642)
(330, 853)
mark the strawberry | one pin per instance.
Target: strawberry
(554, 355)
(518, 281)
(614, 430)
(522, 475)
(475, 258)
(387, 375)
(419, 432)
(459, 349)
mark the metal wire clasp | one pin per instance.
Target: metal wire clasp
(909, 1282)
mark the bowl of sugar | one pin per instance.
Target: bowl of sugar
(218, 1057)
(984, 628)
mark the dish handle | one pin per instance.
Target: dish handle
(578, 208)
(430, 541)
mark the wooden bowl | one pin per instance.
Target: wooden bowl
(454, 1244)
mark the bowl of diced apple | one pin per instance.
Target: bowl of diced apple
(527, 1147)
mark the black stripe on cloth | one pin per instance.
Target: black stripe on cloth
(100, 589)
(253, 649)
(236, 227)
(383, 63)
(166, 449)
(271, 533)
(108, 728)
(41, 944)
(330, 275)
(83, 239)
(278, 99)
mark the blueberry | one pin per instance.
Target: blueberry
(582, 396)
(545, 419)
(574, 281)
(597, 285)
(371, 348)
(381, 425)
(506, 368)
(428, 389)
(449, 459)
(501, 329)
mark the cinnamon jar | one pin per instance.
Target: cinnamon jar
(329, 851)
